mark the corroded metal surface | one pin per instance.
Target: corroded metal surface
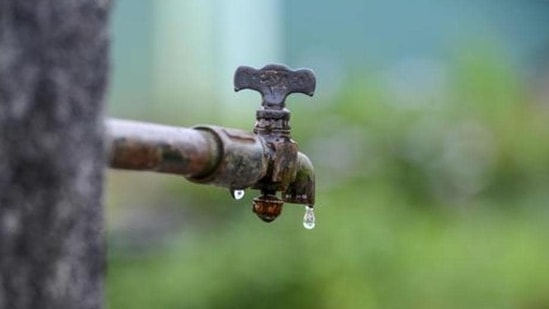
(243, 159)
(225, 157)
(275, 83)
(151, 147)
(302, 189)
(266, 159)
(267, 207)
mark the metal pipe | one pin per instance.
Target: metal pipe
(243, 159)
(230, 158)
(142, 146)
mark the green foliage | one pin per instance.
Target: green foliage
(431, 206)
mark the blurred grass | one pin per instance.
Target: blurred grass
(441, 205)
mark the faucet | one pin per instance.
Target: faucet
(266, 159)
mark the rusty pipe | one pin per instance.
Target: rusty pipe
(142, 146)
(229, 158)
(243, 158)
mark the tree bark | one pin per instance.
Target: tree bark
(53, 76)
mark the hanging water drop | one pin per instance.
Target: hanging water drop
(309, 218)
(237, 194)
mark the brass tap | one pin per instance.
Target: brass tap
(266, 159)
(289, 171)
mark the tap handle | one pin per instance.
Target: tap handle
(275, 82)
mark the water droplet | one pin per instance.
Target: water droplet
(309, 218)
(237, 194)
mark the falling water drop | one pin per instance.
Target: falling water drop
(237, 194)
(309, 218)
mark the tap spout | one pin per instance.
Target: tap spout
(302, 189)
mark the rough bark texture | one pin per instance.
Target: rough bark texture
(53, 71)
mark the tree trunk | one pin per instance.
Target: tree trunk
(53, 75)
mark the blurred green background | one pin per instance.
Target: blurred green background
(429, 133)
